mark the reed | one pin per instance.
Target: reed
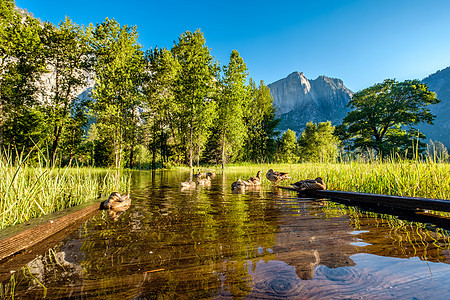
(418, 178)
(31, 190)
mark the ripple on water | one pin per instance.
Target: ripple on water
(275, 280)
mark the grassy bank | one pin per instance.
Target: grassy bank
(402, 178)
(31, 190)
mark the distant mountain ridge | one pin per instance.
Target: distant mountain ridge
(298, 100)
(439, 83)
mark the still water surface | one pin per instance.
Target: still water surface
(265, 243)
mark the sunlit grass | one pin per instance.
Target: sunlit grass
(29, 191)
(402, 178)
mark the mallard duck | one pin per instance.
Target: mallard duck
(237, 185)
(276, 176)
(199, 174)
(204, 181)
(188, 184)
(211, 174)
(116, 201)
(255, 180)
(310, 184)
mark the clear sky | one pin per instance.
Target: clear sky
(361, 42)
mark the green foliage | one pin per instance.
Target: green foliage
(195, 86)
(318, 143)
(260, 121)
(383, 116)
(231, 105)
(68, 56)
(288, 148)
(119, 65)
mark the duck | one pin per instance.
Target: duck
(310, 185)
(204, 181)
(199, 174)
(254, 180)
(116, 201)
(276, 176)
(188, 184)
(238, 185)
(211, 174)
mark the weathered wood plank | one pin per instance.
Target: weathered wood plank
(403, 202)
(31, 236)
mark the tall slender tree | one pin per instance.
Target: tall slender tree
(194, 88)
(22, 63)
(260, 121)
(117, 90)
(231, 105)
(69, 60)
(163, 69)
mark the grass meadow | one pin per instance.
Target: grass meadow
(402, 178)
(29, 191)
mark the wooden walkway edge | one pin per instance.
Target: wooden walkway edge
(403, 202)
(17, 242)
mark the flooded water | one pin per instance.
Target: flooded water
(210, 243)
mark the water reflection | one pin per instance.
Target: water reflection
(208, 242)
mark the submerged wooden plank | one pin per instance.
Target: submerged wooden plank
(18, 241)
(378, 199)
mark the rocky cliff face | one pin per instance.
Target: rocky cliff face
(299, 100)
(439, 83)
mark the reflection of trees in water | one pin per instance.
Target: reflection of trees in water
(207, 242)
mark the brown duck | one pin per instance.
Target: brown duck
(204, 181)
(116, 201)
(309, 185)
(188, 184)
(254, 180)
(276, 176)
(238, 185)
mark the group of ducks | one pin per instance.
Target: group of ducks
(275, 177)
(117, 203)
(203, 178)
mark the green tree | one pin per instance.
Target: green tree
(260, 121)
(231, 105)
(288, 148)
(117, 91)
(195, 86)
(383, 116)
(68, 58)
(161, 108)
(22, 64)
(318, 143)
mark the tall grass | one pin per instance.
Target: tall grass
(415, 178)
(31, 190)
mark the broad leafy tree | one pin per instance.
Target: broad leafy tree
(383, 116)
(318, 143)
(288, 147)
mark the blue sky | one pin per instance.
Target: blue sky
(361, 42)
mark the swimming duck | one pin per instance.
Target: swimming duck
(199, 174)
(254, 180)
(310, 184)
(116, 201)
(276, 176)
(239, 184)
(211, 174)
(188, 184)
(204, 181)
